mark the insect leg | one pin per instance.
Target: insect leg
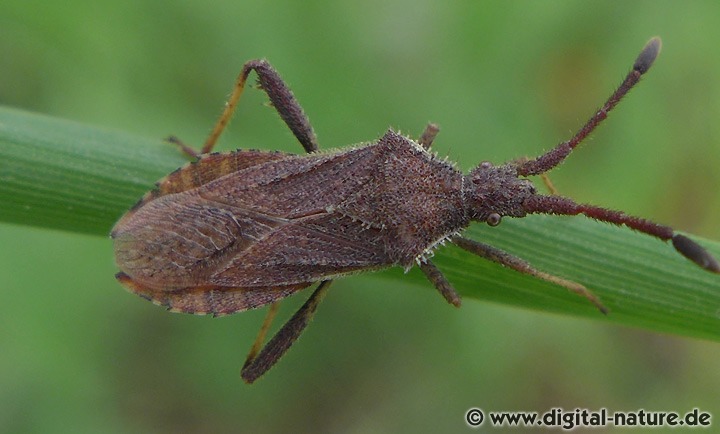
(501, 257)
(543, 176)
(294, 117)
(258, 362)
(255, 367)
(435, 276)
(281, 98)
(427, 137)
(186, 149)
(550, 186)
(267, 322)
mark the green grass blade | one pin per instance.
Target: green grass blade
(63, 175)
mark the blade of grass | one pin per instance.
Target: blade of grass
(63, 175)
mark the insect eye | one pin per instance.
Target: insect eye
(493, 219)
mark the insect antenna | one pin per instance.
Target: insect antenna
(556, 155)
(540, 204)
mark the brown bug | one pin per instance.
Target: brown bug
(236, 231)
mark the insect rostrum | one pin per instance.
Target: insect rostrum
(236, 231)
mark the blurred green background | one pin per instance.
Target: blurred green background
(503, 79)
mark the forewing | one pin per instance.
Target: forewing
(210, 167)
(309, 249)
(297, 187)
(177, 241)
(266, 224)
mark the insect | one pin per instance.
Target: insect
(235, 231)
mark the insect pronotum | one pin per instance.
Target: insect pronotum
(235, 231)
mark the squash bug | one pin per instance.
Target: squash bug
(235, 231)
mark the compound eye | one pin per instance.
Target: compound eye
(493, 219)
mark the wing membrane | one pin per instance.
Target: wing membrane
(310, 249)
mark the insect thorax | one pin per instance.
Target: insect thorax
(412, 196)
